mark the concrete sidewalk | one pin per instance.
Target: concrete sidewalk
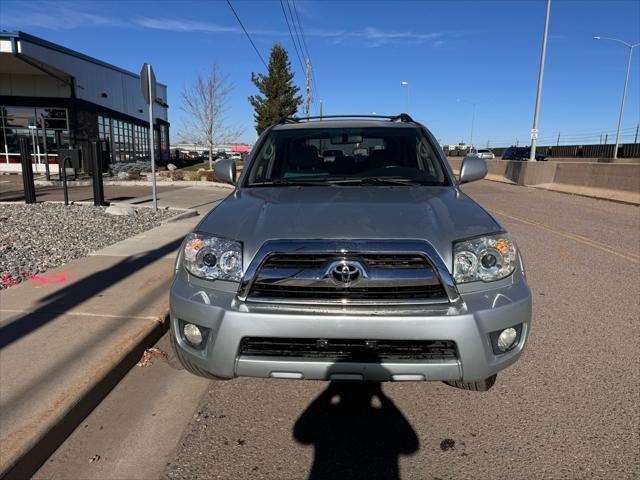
(64, 345)
(197, 197)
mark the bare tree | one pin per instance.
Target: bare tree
(205, 103)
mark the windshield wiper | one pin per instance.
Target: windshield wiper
(377, 181)
(284, 182)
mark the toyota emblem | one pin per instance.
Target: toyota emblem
(346, 272)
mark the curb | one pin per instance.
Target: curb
(188, 213)
(43, 447)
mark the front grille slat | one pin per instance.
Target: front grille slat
(374, 260)
(335, 293)
(355, 350)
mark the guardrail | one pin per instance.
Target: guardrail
(626, 150)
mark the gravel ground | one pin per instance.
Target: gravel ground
(35, 238)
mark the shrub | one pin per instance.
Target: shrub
(176, 175)
(194, 176)
(211, 177)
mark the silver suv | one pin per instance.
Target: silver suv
(348, 251)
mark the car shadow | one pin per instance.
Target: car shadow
(357, 432)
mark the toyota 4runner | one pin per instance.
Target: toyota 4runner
(348, 251)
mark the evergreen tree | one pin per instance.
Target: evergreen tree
(278, 97)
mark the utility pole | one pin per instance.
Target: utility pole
(637, 128)
(534, 130)
(558, 142)
(624, 91)
(600, 139)
(320, 109)
(308, 76)
(606, 137)
(406, 84)
(517, 142)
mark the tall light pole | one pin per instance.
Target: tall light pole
(407, 85)
(534, 130)
(473, 118)
(626, 81)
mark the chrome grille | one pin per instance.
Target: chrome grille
(388, 273)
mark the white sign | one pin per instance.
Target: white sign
(534, 134)
(148, 83)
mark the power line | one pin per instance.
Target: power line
(295, 45)
(306, 49)
(300, 27)
(295, 28)
(247, 34)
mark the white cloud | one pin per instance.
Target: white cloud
(181, 25)
(52, 16)
(72, 15)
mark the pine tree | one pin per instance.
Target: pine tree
(278, 97)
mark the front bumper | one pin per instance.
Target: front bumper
(484, 310)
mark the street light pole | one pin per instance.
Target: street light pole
(473, 119)
(624, 91)
(534, 130)
(407, 85)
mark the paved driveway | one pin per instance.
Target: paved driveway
(568, 409)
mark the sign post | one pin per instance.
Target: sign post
(148, 85)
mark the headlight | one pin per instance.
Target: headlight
(484, 258)
(212, 258)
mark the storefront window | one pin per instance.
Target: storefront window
(35, 124)
(129, 142)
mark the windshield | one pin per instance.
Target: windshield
(346, 155)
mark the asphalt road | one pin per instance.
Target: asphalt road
(570, 408)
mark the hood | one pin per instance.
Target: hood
(439, 215)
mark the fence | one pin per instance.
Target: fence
(627, 150)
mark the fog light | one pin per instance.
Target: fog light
(192, 333)
(506, 339)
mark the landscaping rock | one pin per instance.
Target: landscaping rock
(120, 210)
(35, 238)
(171, 167)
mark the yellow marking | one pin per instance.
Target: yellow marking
(573, 236)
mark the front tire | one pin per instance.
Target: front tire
(478, 386)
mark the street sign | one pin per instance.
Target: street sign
(148, 86)
(534, 134)
(148, 81)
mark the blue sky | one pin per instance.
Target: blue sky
(485, 52)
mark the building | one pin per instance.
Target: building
(58, 98)
(194, 147)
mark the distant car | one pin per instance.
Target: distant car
(521, 154)
(483, 153)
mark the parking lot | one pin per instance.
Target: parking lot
(567, 409)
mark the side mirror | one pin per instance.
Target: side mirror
(225, 170)
(472, 169)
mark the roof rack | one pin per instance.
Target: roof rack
(403, 117)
